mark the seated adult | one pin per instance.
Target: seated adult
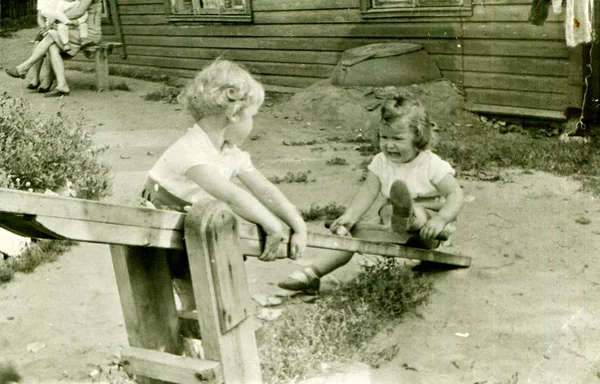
(52, 45)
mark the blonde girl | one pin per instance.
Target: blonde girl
(423, 197)
(222, 100)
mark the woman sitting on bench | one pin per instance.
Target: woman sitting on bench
(51, 45)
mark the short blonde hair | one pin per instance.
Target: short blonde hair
(399, 109)
(222, 87)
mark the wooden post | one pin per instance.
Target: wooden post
(221, 291)
(102, 82)
(147, 299)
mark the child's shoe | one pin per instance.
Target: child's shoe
(402, 207)
(306, 281)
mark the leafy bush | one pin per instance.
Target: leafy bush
(39, 152)
(53, 152)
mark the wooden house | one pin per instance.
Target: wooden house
(504, 64)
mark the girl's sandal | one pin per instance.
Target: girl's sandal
(32, 87)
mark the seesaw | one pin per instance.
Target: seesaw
(52, 217)
(142, 239)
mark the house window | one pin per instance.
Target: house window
(415, 8)
(210, 10)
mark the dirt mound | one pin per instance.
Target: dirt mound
(353, 110)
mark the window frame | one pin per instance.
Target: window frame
(368, 11)
(212, 15)
(106, 18)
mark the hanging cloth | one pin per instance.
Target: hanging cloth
(539, 12)
(578, 22)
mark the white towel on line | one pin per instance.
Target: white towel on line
(578, 22)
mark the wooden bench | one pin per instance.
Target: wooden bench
(140, 241)
(100, 52)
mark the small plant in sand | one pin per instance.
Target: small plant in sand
(364, 167)
(356, 139)
(300, 177)
(41, 151)
(120, 86)
(298, 143)
(339, 327)
(337, 161)
(328, 212)
(368, 149)
(167, 94)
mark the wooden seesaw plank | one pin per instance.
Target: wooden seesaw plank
(98, 222)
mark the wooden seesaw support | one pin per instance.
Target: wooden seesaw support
(141, 240)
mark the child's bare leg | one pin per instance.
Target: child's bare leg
(63, 34)
(83, 31)
(308, 280)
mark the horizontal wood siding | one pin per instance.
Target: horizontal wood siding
(496, 55)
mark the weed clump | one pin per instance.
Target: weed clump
(339, 327)
(167, 94)
(300, 177)
(337, 161)
(328, 212)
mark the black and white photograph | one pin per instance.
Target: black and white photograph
(299, 191)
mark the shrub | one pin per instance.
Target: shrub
(39, 152)
(53, 152)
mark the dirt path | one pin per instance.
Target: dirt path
(525, 312)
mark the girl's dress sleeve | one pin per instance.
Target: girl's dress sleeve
(377, 165)
(438, 169)
(243, 163)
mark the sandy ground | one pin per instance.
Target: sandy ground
(526, 311)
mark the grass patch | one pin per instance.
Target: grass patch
(41, 252)
(339, 327)
(328, 212)
(300, 177)
(483, 150)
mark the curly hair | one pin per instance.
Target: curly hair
(399, 109)
(222, 87)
